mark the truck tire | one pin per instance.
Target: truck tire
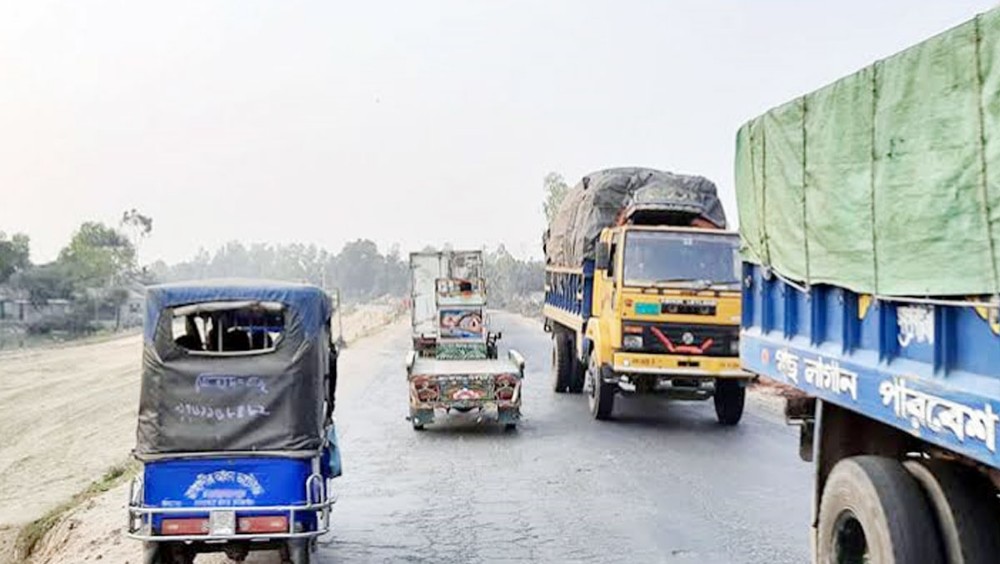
(730, 397)
(562, 361)
(577, 375)
(872, 510)
(965, 509)
(600, 395)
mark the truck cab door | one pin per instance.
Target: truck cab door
(604, 276)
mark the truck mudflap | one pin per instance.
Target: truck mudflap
(686, 366)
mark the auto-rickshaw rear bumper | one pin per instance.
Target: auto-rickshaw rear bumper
(224, 524)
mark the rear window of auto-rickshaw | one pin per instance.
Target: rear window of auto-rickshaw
(228, 328)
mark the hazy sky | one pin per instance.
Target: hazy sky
(410, 122)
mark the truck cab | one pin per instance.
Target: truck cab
(665, 318)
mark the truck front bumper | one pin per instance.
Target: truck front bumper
(680, 366)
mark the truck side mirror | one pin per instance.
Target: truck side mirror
(603, 258)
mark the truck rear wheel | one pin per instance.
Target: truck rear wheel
(600, 395)
(562, 361)
(872, 510)
(730, 398)
(965, 508)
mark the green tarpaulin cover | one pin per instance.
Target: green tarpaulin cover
(888, 180)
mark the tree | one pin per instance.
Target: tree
(360, 270)
(359, 266)
(14, 255)
(44, 283)
(511, 280)
(96, 265)
(138, 226)
(555, 190)
(97, 256)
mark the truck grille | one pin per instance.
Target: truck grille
(685, 339)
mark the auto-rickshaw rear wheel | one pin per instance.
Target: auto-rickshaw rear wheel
(167, 553)
(299, 551)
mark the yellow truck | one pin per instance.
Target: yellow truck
(642, 292)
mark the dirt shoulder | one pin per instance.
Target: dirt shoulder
(67, 415)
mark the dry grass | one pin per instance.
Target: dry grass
(31, 534)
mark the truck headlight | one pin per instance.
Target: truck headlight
(632, 342)
(734, 346)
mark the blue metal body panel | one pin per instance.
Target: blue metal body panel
(930, 370)
(571, 292)
(216, 483)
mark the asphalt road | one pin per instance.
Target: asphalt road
(662, 483)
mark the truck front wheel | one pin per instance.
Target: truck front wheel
(562, 361)
(730, 397)
(600, 394)
(872, 510)
(578, 374)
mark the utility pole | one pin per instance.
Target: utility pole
(341, 343)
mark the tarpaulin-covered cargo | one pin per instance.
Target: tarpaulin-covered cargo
(259, 398)
(888, 180)
(600, 197)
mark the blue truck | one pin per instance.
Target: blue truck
(870, 233)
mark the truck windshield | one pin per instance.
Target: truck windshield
(656, 257)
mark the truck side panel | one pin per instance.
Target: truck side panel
(570, 291)
(425, 269)
(928, 369)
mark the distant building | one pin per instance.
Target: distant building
(18, 310)
(131, 312)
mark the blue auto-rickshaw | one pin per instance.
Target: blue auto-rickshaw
(235, 431)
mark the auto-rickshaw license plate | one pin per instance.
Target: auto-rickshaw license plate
(222, 523)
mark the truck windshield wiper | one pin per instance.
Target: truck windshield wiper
(692, 281)
(696, 282)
